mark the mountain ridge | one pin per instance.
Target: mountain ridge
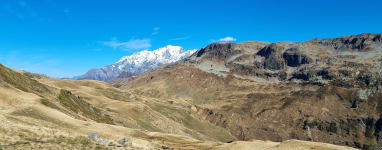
(137, 63)
(326, 90)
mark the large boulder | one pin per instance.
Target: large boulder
(273, 59)
(294, 58)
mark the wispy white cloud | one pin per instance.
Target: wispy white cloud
(224, 39)
(180, 38)
(227, 39)
(155, 31)
(132, 44)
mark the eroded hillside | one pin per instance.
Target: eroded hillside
(324, 90)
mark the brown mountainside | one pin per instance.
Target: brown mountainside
(37, 112)
(324, 90)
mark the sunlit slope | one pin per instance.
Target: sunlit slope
(65, 112)
(324, 90)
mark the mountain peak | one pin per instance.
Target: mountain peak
(139, 62)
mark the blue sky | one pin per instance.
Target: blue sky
(63, 38)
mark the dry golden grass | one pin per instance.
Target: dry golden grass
(28, 122)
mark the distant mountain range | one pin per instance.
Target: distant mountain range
(137, 63)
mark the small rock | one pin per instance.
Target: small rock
(167, 148)
(102, 141)
(112, 144)
(125, 142)
(354, 104)
(93, 136)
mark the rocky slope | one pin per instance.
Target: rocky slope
(137, 63)
(325, 90)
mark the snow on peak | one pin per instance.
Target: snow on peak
(139, 62)
(164, 55)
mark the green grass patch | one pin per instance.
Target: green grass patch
(48, 103)
(147, 126)
(188, 121)
(22, 82)
(113, 94)
(80, 106)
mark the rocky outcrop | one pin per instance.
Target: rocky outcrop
(97, 139)
(273, 59)
(278, 55)
(294, 58)
(362, 43)
(217, 51)
(318, 61)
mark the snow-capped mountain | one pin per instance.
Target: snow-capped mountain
(137, 63)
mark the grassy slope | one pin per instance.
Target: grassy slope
(27, 123)
(21, 82)
(253, 110)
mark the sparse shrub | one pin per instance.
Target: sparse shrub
(84, 141)
(60, 139)
(101, 147)
(332, 127)
(48, 103)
